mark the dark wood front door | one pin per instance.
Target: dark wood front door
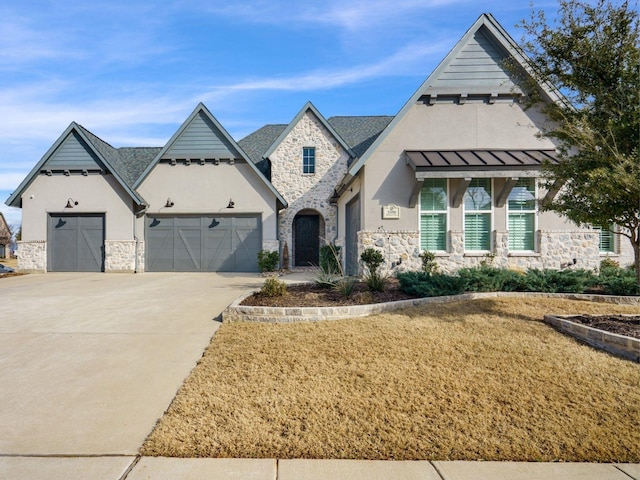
(307, 240)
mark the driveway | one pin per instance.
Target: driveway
(89, 362)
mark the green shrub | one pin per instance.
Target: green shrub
(330, 259)
(423, 284)
(615, 280)
(372, 259)
(429, 264)
(273, 287)
(486, 278)
(621, 285)
(559, 281)
(267, 261)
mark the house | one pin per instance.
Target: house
(5, 238)
(454, 172)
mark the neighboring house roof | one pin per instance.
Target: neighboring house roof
(201, 117)
(107, 156)
(5, 233)
(308, 107)
(487, 34)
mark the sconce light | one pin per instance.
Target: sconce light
(71, 203)
(231, 204)
(169, 203)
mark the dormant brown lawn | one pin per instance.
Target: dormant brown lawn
(468, 380)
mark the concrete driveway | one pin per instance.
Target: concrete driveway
(89, 362)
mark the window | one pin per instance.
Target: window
(477, 215)
(606, 243)
(309, 160)
(433, 215)
(522, 215)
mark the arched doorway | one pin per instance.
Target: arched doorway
(307, 226)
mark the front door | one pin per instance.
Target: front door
(307, 240)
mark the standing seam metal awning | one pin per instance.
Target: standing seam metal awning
(499, 161)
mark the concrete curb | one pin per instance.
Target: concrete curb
(242, 313)
(619, 345)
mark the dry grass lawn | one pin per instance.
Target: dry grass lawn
(464, 381)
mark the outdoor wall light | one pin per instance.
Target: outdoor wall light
(71, 203)
(232, 204)
(169, 203)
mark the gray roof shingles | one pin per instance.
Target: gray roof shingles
(129, 162)
(357, 132)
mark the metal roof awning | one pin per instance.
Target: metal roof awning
(479, 163)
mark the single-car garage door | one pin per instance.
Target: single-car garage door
(203, 243)
(75, 243)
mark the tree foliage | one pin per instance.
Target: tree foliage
(591, 54)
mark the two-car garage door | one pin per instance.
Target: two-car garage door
(203, 243)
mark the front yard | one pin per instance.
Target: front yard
(484, 379)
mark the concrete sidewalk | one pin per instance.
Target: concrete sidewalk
(158, 468)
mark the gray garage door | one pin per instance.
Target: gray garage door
(203, 243)
(75, 243)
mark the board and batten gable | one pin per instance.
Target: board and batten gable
(201, 170)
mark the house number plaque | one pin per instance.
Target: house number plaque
(390, 212)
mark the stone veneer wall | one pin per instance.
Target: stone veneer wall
(119, 255)
(556, 249)
(32, 256)
(307, 191)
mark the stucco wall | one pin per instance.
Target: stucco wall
(207, 189)
(308, 191)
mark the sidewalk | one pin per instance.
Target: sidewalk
(158, 468)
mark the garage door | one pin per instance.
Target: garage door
(203, 243)
(75, 243)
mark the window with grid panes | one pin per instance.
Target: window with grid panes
(309, 160)
(477, 215)
(522, 215)
(606, 243)
(433, 215)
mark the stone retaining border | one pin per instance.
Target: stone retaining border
(619, 345)
(241, 313)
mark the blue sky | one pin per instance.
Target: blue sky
(132, 71)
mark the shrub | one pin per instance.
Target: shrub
(429, 264)
(423, 284)
(559, 281)
(330, 259)
(273, 287)
(486, 278)
(325, 279)
(372, 259)
(267, 261)
(621, 285)
(616, 280)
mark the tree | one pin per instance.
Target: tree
(591, 54)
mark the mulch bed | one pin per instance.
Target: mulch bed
(311, 295)
(626, 325)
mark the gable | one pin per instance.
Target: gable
(201, 139)
(73, 154)
(476, 65)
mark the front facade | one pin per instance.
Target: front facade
(455, 172)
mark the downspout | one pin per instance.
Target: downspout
(137, 215)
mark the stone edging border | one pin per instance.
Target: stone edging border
(619, 345)
(241, 313)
